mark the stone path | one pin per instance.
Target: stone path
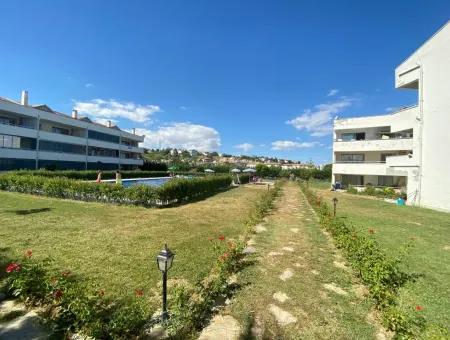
(21, 324)
(300, 285)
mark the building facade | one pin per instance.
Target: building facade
(410, 148)
(35, 137)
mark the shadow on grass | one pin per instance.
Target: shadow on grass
(29, 211)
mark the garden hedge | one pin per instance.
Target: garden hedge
(175, 191)
(88, 175)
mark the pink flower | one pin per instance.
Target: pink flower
(13, 267)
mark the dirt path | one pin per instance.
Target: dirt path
(299, 286)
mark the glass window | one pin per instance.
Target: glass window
(352, 157)
(386, 181)
(61, 131)
(103, 136)
(45, 145)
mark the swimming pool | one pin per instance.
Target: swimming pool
(151, 181)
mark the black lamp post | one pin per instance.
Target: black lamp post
(335, 200)
(164, 261)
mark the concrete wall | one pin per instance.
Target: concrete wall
(428, 71)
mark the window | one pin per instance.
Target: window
(60, 131)
(347, 137)
(101, 152)
(46, 145)
(15, 142)
(352, 180)
(7, 121)
(386, 181)
(16, 164)
(352, 158)
(103, 136)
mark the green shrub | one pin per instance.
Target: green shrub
(176, 190)
(352, 190)
(380, 272)
(73, 306)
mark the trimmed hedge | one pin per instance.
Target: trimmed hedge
(381, 272)
(88, 175)
(176, 190)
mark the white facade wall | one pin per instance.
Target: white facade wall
(427, 169)
(428, 71)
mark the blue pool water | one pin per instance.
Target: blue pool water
(154, 182)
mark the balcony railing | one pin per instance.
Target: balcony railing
(359, 162)
(18, 125)
(367, 140)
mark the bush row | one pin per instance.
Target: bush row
(381, 273)
(176, 190)
(73, 306)
(378, 192)
(91, 175)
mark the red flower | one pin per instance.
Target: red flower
(139, 292)
(58, 294)
(65, 273)
(29, 253)
(13, 267)
(222, 238)
(101, 292)
(419, 308)
(224, 257)
(371, 231)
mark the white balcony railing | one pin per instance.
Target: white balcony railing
(393, 144)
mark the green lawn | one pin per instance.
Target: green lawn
(115, 246)
(395, 225)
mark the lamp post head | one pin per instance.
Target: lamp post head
(165, 259)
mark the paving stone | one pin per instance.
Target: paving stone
(223, 327)
(249, 250)
(280, 297)
(334, 288)
(283, 317)
(287, 274)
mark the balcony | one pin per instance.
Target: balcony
(18, 130)
(393, 144)
(61, 138)
(401, 161)
(360, 168)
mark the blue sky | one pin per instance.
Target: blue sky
(264, 75)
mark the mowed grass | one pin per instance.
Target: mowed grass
(394, 226)
(320, 313)
(115, 247)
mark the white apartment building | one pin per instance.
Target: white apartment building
(35, 136)
(409, 148)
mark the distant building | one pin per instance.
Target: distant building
(410, 147)
(35, 136)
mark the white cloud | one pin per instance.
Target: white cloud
(110, 109)
(319, 120)
(184, 108)
(332, 92)
(88, 85)
(244, 146)
(104, 121)
(392, 108)
(290, 145)
(182, 136)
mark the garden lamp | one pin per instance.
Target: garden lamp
(164, 261)
(335, 200)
